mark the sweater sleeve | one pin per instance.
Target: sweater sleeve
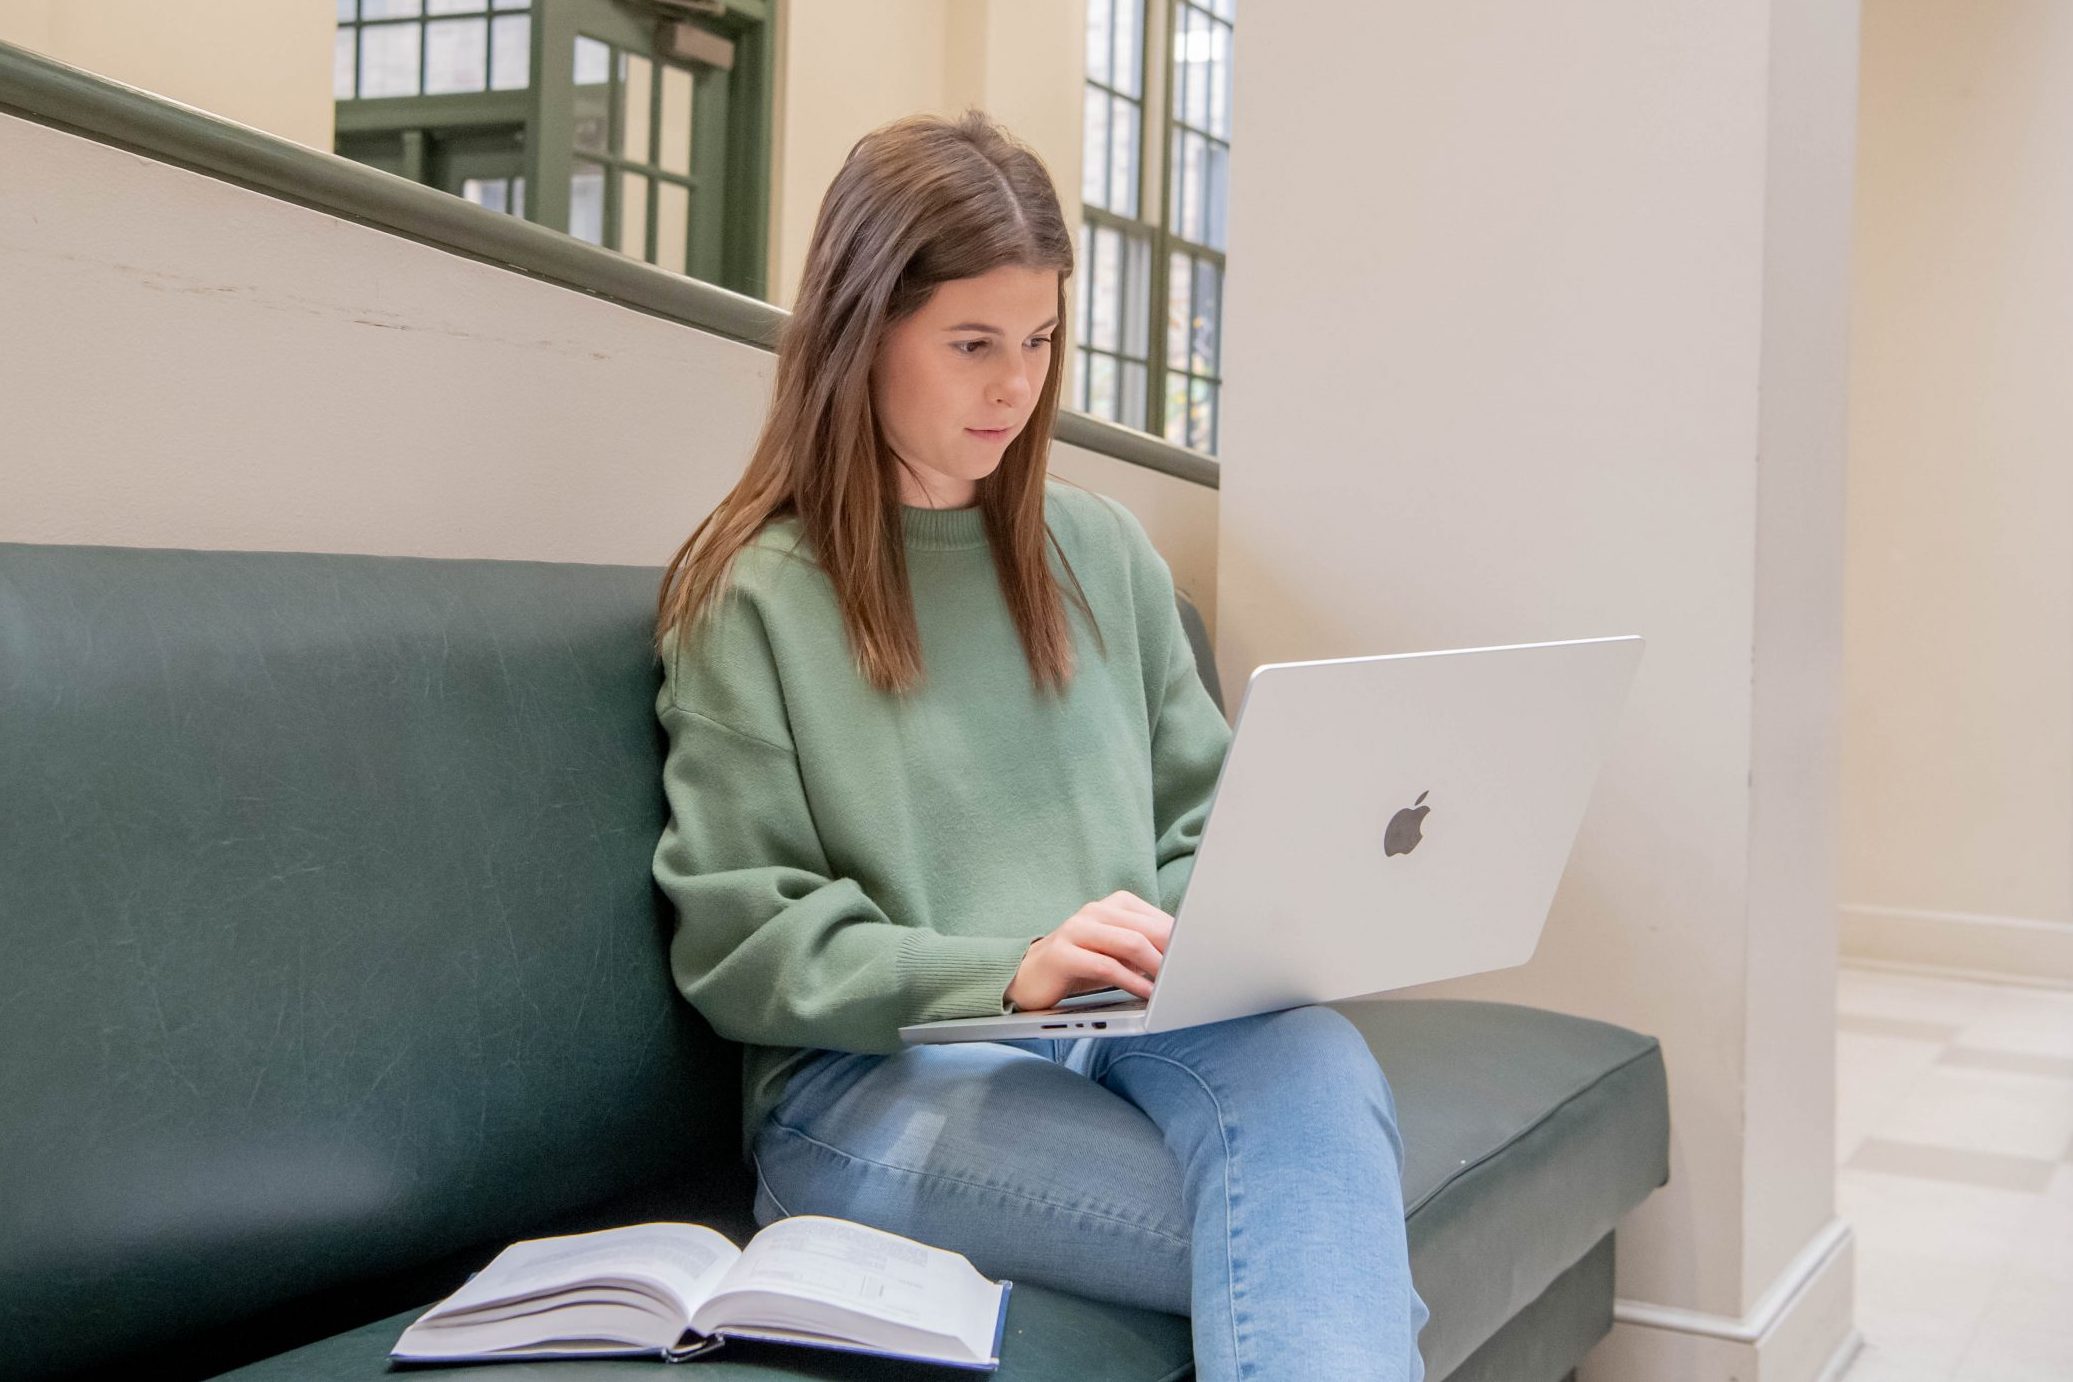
(1190, 735)
(769, 946)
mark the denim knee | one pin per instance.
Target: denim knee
(1324, 1045)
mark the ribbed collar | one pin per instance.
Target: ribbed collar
(943, 530)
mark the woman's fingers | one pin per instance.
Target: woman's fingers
(1126, 943)
(1121, 975)
(1143, 917)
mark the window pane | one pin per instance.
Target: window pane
(1220, 82)
(1094, 147)
(456, 6)
(1101, 386)
(518, 196)
(1175, 428)
(587, 202)
(1123, 159)
(1176, 180)
(510, 52)
(512, 4)
(345, 11)
(1207, 335)
(633, 215)
(1137, 307)
(388, 60)
(1178, 311)
(673, 139)
(1130, 407)
(1130, 49)
(1216, 191)
(456, 55)
(1201, 413)
(1198, 68)
(593, 62)
(1188, 219)
(1076, 383)
(388, 9)
(342, 65)
(1105, 326)
(490, 192)
(634, 75)
(1100, 43)
(672, 223)
(589, 103)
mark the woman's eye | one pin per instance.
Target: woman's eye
(960, 346)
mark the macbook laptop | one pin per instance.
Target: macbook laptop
(1378, 822)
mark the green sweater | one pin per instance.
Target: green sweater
(844, 861)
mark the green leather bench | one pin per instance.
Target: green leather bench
(333, 963)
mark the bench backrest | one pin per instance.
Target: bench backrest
(330, 945)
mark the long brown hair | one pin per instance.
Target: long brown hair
(918, 202)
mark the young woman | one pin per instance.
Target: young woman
(900, 766)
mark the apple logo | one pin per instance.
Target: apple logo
(1402, 836)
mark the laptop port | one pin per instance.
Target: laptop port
(1049, 1025)
(1100, 1025)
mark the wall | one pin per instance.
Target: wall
(264, 63)
(1958, 759)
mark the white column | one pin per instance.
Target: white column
(1536, 329)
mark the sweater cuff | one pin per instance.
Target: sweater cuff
(958, 976)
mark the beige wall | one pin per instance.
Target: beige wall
(1958, 760)
(847, 68)
(1550, 345)
(264, 63)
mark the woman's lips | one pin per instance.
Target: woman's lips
(996, 434)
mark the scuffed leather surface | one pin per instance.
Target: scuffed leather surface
(334, 963)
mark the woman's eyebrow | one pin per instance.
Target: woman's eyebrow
(994, 330)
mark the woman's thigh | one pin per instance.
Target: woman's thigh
(1032, 1171)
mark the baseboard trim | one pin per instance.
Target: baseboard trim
(1958, 945)
(1799, 1330)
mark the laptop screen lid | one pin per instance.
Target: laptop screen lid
(1424, 803)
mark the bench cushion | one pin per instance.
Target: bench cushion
(1527, 1134)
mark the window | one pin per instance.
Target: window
(1153, 221)
(429, 47)
(622, 122)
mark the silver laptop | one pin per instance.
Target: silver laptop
(1378, 822)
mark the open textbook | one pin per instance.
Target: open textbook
(679, 1291)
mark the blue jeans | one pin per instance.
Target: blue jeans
(1246, 1173)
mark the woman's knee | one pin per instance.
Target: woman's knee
(1322, 1046)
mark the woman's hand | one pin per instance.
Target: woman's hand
(1117, 941)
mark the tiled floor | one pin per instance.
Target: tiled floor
(1954, 1129)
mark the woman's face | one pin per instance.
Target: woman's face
(974, 356)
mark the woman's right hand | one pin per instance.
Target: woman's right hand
(1116, 941)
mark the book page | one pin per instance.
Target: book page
(684, 1260)
(853, 1266)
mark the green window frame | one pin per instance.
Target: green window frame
(1153, 215)
(559, 150)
